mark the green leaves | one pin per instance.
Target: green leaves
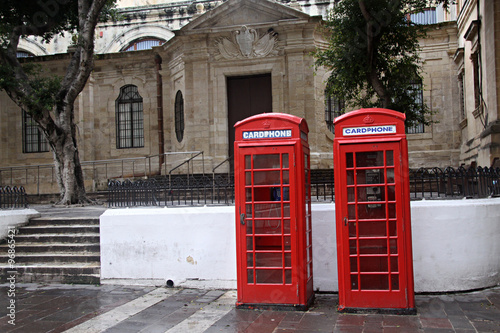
(373, 55)
(44, 89)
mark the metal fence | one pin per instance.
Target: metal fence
(13, 197)
(435, 183)
(176, 190)
(218, 189)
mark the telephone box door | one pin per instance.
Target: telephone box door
(371, 230)
(264, 234)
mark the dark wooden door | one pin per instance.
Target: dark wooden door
(247, 96)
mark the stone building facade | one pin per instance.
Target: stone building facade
(238, 58)
(477, 58)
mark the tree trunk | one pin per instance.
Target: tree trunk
(69, 173)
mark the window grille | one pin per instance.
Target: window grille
(334, 107)
(33, 139)
(129, 118)
(416, 87)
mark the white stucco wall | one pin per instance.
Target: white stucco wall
(455, 246)
(15, 218)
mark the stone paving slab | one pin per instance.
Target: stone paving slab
(123, 309)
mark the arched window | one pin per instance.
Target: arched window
(24, 54)
(33, 139)
(179, 116)
(129, 118)
(143, 44)
(334, 107)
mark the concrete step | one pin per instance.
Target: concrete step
(41, 221)
(51, 257)
(80, 238)
(55, 250)
(53, 273)
(58, 229)
(53, 247)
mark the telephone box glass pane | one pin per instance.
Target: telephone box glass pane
(353, 247)
(286, 226)
(352, 229)
(350, 194)
(250, 275)
(248, 195)
(271, 161)
(286, 177)
(369, 159)
(394, 264)
(268, 226)
(373, 246)
(394, 281)
(248, 162)
(288, 276)
(266, 178)
(354, 282)
(390, 176)
(267, 243)
(389, 158)
(285, 160)
(288, 243)
(354, 264)
(269, 276)
(267, 210)
(350, 177)
(250, 243)
(374, 282)
(373, 264)
(393, 228)
(373, 229)
(250, 259)
(268, 259)
(248, 223)
(288, 259)
(349, 162)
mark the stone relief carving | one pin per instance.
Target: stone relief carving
(246, 43)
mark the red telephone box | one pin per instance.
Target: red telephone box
(372, 204)
(273, 212)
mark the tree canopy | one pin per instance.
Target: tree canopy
(47, 98)
(373, 54)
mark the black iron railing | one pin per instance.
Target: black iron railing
(435, 183)
(218, 189)
(13, 197)
(176, 190)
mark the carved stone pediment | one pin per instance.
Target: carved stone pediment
(237, 13)
(247, 43)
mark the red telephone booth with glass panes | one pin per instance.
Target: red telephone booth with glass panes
(273, 212)
(372, 204)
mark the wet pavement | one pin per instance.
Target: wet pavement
(122, 309)
(42, 308)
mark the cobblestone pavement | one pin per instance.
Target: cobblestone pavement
(123, 309)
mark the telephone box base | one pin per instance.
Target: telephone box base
(276, 307)
(402, 312)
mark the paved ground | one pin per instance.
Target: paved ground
(123, 309)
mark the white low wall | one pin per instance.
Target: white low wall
(455, 246)
(15, 218)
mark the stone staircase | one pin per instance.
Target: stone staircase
(55, 250)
